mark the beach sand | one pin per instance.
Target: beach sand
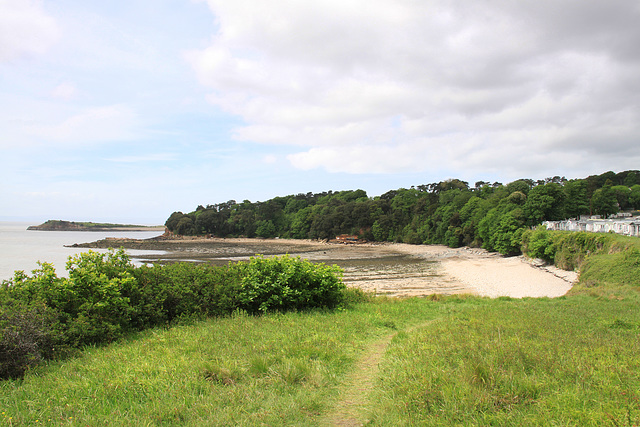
(393, 269)
(493, 275)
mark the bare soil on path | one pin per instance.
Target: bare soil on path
(354, 393)
(350, 409)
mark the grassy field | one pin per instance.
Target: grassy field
(456, 361)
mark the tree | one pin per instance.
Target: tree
(265, 229)
(634, 197)
(631, 178)
(185, 226)
(604, 202)
(621, 193)
(207, 222)
(576, 202)
(545, 202)
(172, 222)
(508, 236)
(502, 228)
(520, 185)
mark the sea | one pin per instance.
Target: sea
(21, 249)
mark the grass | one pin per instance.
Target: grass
(273, 370)
(567, 361)
(571, 361)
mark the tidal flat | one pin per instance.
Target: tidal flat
(391, 269)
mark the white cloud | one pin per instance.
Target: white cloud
(397, 86)
(25, 28)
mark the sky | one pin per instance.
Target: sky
(129, 110)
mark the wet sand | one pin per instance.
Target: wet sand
(391, 269)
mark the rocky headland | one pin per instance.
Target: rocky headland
(60, 225)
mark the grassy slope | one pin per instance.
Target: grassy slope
(276, 369)
(459, 361)
(572, 361)
(569, 361)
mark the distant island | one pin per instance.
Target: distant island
(59, 225)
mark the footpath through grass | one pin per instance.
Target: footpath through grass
(568, 361)
(278, 369)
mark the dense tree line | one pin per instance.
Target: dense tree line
(489, 215)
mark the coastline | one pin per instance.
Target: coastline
(100, 229)
(426, 269)
(61, 225)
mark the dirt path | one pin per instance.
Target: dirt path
(354, 392)
(351, 408)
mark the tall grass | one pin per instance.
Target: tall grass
(568, 361)
(571, 361)
(277, 369)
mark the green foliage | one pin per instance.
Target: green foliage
(621, 193)
(607, 262)
(501, 228)
(27, 337)
(105, 297)
(265, 229)
(634, 197)
(93, 299)
(167, 293)
(604, 202)
(531, 362)
(545, 202)
(447, 212)
(288, 283)
(567, 250)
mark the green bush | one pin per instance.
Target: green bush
(288, 283)
(565, 249)
(27, 336)
(168, 292)
(607, 261)
(538, 244)
(105, 296)
(94, 297)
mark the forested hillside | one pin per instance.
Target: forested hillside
(489, 215)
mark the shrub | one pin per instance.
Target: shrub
(27, 336)
(105, 296)
(165, 293)
(93, 302)
(288, 283)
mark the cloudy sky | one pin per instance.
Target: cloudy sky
(128, 110)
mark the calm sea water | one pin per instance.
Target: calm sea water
(21, 249)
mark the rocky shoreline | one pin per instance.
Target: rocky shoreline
(393, 269)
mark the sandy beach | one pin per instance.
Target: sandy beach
(392, 269)
(493, 275)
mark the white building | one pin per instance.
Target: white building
(629, 226)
